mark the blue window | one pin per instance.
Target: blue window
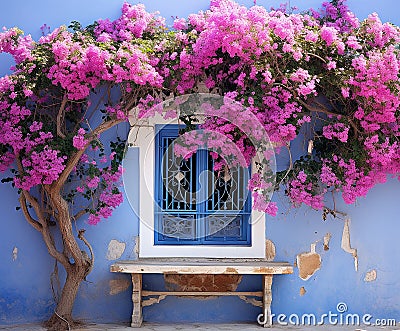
(194, 204)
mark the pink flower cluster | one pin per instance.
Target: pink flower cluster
(328, 176)
(132, 24)
(117, 112)
(260, 202)
(79, 141)
(383, 157)
(110, 197)
(12, 42)
(303, 190)
(338, 130)
(261, 193)
(375, 87)
(355, 183)
(339, 16)
(6, 160)
(42, 167)
(81, 66)
(102, 187)
(41, 163)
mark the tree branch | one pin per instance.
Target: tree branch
(319, 109)
(59, 204)
(96, 107)
(82, 237)
(290, 163)
(47, 237)
(317, 56)
(44, 229)
(324, 110)
(79, 214)
(60, 116)
(74, 159)
(28, 216)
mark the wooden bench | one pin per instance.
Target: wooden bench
(200, 266)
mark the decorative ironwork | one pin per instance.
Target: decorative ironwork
(224, 226)
(179, 227)
(179, 182)
(228, 187)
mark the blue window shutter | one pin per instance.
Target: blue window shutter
(214, 212)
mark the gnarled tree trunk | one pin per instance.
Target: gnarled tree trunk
(50, 207)
(76, 262)
(62, 317)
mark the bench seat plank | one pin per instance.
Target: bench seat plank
(202, 267)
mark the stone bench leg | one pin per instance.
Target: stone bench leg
(267, 300)
(137, 317)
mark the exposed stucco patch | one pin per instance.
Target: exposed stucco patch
(302, 291)
(115, 249)
(346, 246)
(308, 263)
(327, 239)
(15, 253)
(136, 248)
(270, 251)
(118, 285)
(370, 276)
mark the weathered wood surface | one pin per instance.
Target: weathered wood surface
(202, 293)
(137, 317)
(243, 267)
(267, 300)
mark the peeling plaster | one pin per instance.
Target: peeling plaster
(308, 263)
(327, 239)
(270, 250)
(346, 246)
(302, 291)
(152, 301)
(115, 249)
(136, 248)
(118, 285)
(15, 253)
(370, 276)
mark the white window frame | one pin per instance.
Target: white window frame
(143, 137)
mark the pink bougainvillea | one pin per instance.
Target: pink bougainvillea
(49, 132)
(290, 68)
(323, 72)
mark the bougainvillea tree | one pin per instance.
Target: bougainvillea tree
(322, 72)
(65, 91)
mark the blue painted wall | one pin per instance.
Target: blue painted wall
(25, 291)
